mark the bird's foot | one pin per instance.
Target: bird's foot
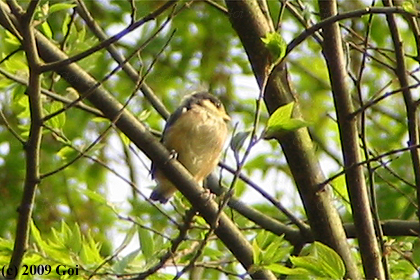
(172, 155)
(207, 194)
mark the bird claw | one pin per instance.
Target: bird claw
(207, 194)
(172, 155)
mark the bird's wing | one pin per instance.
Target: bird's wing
(171, 120)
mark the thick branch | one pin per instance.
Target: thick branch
(32, 146)
(333, 51)
(410, 104)
(251, 25)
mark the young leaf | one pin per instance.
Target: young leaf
(281, 121)
(144, 115)
(238, 141)
(61, 6)
(59, 120)
(409, 6)
(331, 262)
(46, 29)
(322, 261)
(276, 45)
(37, 236)
(278, 268)
(126, 141)
(94, 196)
(416, 251)
(120, 266)
(256, 252)
(146, 242)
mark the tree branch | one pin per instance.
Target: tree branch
(128, 69)
(410, 104)
(251, 25)
(333, 51)
(32, 146)
(57, 64)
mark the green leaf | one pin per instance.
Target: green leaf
(94, 196)
(340, 188)
(281, 121)
(213, 254)
(17, 65)
(120, 266)
(19, 92)
(76, 240)
(61, 6)
(322, 261)
(99, 119)
(37, 236)
(128, 237)
(5, 83)
(276, 45)
(90, 253)
(46, 29)
(126, 141)
(276, 251)
(330, 261)
(310, 263)
(281, 115)
(11, 39)
(65, 24)
(409, 6)
(144, 115)
(59, 120)
(265, 238)
(238, 140)
(416, 252)
(65, 152)
(278, 268)
(146, 242)
(294, 124)
(256, 252)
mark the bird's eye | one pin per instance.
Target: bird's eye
(218, 105)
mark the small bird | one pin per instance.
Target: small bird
(196, 133)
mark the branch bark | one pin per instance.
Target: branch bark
(410, 104)
(251, 25)
(356, 185)
(33, 144)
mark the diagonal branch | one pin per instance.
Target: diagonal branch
(228, 233)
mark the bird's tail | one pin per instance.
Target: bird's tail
(160, 196)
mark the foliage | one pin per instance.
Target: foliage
(276, 45)
(281, 121)
(85, 162)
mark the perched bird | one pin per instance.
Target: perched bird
(196, 133)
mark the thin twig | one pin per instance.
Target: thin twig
(53, 95)
(111, 40)
(129, 70)
(10, 128)
(183, 229)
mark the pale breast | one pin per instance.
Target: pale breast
(198, 139)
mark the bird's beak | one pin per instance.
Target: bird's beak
(226, 118)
